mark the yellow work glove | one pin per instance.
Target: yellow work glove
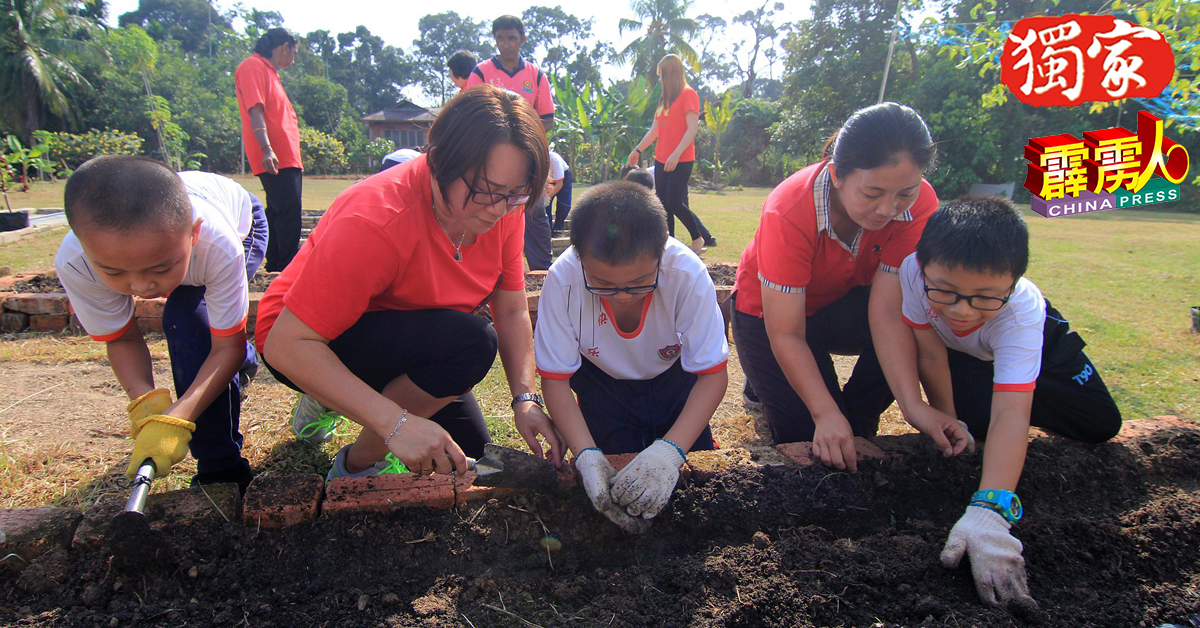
(163, 438)
(154, 402)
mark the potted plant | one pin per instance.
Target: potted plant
(9, 219)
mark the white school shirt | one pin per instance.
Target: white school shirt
(1012, 339)
(401, 156)
(558, 167)
(217, 262)
(680, 321)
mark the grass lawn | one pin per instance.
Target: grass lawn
(1125, 279)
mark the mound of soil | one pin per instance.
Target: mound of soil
(1111, 537)
(38, 284)
(722, 274)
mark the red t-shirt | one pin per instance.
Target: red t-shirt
(795, 249)
(257, 83)
(672, 124)
(379, 247)
(527, 81)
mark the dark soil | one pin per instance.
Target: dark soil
(534, 283)
(1111, 537)
(38, 284)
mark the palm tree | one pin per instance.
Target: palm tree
(666, 26)
(35, 35)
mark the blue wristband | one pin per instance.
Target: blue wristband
(677, 447)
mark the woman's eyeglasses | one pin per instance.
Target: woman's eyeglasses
(491, 198)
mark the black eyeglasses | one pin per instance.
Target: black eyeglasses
(979, 302)
(491, 198)
(608, 292)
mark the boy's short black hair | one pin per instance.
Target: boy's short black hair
(505, 22)
(618, 222)
(640, 176)
(980, 233)
(461, 63)
(124, 193)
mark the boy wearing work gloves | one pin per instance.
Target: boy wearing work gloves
(994, 358)
(140, 229)
(628, 320)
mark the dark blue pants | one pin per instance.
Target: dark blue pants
(626, 415)
(559, 216)
(284, 215)
(538, 248)
(1070, 399)
(443, 352)
(217, 442)
(840, 328)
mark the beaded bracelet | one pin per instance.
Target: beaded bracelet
(403, 418)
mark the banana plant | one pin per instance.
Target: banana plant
(717, 118)
(597, 125)
(27, 158)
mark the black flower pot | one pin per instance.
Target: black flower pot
(11, 221)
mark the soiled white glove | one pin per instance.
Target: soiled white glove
(970, 440)
(596, 473)
(996, 561)
(644, 486)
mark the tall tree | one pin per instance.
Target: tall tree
(716, 66)
(761, 23)
(36, 39)
(441, 35)
(665, 28)
(192, 23)
(555, 38)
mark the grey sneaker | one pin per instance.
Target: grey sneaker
(389, 464)
(750, 399)
(313, 422)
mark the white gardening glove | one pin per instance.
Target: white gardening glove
(970, 440)
(644, 486)
(595, 472)
(995, 555)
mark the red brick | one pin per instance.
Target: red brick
(150, 325)
(255, 297)
(723, 292)
(383, 493)
(801, 453)
(13, 322)
(619, 461)
(532, 299)
(31, 532)
(170, 509)
(536, 273)
(48, 322)
(282, 501)
(148, 308)
(44, 303)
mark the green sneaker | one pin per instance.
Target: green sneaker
(314, 423)
(389, 465)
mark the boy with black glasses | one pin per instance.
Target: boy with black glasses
(628, 320)
(993, 355)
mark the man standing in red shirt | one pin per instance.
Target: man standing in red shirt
(511, 72)
(271, 135)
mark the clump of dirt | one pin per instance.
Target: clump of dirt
(38, 284)
(533, 283)
(262, 281)
(722, 274)
(1111, 536)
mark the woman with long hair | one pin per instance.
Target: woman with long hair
(676, 120)
(374, 319)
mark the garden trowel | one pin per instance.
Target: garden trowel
(134, 544)
(509, 468)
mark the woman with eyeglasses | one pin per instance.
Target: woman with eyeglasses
(374, 319)
(819, 279)
(628, 323)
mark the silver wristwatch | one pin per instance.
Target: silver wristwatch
(529, 396)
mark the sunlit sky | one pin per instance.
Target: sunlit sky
(396, 22)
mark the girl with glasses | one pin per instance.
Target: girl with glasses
(628, 322)
(374, 319)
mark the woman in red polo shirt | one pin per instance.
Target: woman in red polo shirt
(826, 252)
(374, 317)
(675, 123)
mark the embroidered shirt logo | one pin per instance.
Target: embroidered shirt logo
(594, 352)
(669, 352)
(527, 87)
(603, 320)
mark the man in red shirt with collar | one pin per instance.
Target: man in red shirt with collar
(271, 135)
(509, 71)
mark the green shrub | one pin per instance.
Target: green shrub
(69, 150)
(322, 153)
